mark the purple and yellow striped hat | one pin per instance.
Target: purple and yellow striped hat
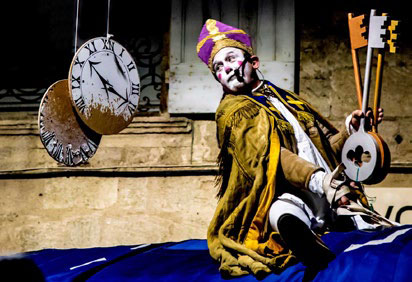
(215, 36)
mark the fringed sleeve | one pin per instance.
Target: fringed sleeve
(245, 131)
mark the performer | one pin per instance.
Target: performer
(279, 166)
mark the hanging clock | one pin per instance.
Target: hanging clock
(66, 138)
(105, 85)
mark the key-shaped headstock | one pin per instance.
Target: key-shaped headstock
(393, 36)
(357, 31)
(377, 30)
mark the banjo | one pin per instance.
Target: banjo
(365, 155)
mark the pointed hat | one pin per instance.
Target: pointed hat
(215, 36)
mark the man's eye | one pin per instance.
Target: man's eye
(231, 58)
(218, 68)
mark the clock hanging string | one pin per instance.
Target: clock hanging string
(108, 36)
(77, 26)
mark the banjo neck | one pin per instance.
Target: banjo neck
(376, 40)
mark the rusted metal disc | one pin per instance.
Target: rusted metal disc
(104, 85)
(66, 138)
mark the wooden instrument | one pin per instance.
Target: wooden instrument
(365, 155)
(357, 41)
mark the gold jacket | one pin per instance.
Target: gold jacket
(258, 162)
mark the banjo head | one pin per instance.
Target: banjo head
(360, 156)
(104, 85)
(63, 134)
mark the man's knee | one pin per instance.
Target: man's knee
(280, 208)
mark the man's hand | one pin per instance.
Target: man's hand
(357, 115)
(344, 200)
(336, 187)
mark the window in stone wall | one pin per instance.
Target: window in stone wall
(271, 24)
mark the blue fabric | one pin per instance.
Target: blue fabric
(190, 261)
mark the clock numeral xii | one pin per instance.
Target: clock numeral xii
(108, 45)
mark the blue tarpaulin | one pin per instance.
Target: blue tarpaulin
(384, 255)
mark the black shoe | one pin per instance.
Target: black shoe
(304, 244)
(14, 268)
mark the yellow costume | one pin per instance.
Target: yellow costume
(259, 161)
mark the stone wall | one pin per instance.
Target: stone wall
(153, 182)
(79, 212)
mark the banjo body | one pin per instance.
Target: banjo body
(366, 157)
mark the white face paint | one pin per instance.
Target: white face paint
(224, 64)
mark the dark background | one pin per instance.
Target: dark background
(37, 36)
(37, 43)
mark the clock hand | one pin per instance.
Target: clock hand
(112, 90)
(106, 85)
(125, 101)
(119, 68)
(130, 106)
(104, 82)
(110, 45)
(92, 64)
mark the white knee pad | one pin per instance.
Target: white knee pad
(293, 206)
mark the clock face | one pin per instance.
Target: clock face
(105, 85)
(66, 138)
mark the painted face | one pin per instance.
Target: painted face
(224, 64)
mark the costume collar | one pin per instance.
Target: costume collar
(288, 98)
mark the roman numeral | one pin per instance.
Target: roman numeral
(132, 108)
(41, 123)
(69, 156)
(58, 152)
(91, 48)
(108, 45)
(75, 80)
(121, 53)
(92, 146)
(47, 136)
(131, 66)
(135, 89)
(84, 153)
(80, 104)
(77, 62)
